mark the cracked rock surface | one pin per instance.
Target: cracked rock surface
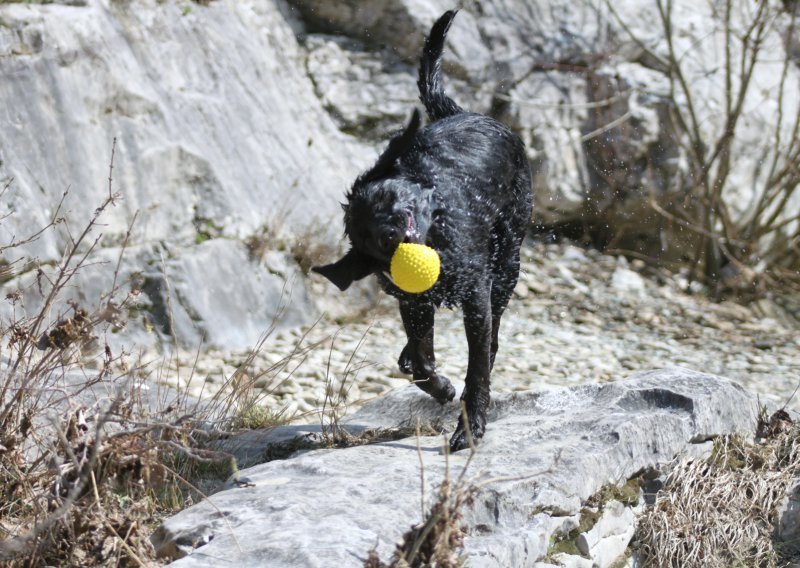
(544, 454)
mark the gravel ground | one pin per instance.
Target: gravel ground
(577, 317)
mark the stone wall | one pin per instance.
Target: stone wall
(241, 118)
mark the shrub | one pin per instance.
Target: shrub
(741, 250)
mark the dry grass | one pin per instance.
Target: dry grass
(337, 397)
(90, 459)
(721, 511)
(84, 458)
(438, 540)
(308, 248)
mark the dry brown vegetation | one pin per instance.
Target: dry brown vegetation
(722, 511)
(92, 453)
(740, 252)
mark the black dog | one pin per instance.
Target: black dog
(462, 186)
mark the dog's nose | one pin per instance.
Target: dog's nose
(389, 239)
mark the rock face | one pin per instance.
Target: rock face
(543, 456)
(234, 115)
(209, 104)
(219, 133)
(586, 86)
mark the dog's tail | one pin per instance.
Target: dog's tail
(431, 91)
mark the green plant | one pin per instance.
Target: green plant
(256, 417)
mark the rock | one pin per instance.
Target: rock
(521, 290)
(608, 539)
(364, 94)
(214, 305)
(543, 456)
(625, 280)
(195, 145)
(788, 527)
(218, 132)
(211, 293)
(572, 561)
(400, 26)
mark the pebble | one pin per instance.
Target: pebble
(577, 317)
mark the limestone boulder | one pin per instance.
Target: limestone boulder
(543, 456)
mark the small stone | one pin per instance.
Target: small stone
(303, 406)
(521, 290)
(626, 280)
(646, 315)
(262, 383)
(287, 386)
(538, 286)
(608, 539)
(291, 409)
(765, 344)
(572, 253)
(788, 529)
(588, 318)
(572, 561)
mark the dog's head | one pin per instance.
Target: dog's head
(383, 209)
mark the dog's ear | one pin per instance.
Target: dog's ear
(398, 146)
(351, 267)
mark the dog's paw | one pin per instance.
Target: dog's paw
(460, 441)
(438, 386)
(404, 362)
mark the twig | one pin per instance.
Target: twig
(693, 227)
(111, 170)
(565, 106)
(124, 544)
(606, 127)
(421, 474)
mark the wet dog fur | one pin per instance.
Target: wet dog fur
(462, 186)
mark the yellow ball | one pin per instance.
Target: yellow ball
(415, 268)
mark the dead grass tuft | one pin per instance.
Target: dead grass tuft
(722, 511)
(439, 539)
(92, 456)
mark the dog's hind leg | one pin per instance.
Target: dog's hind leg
(504, 279)
(475, 398)
(507, 236)
(418, 353)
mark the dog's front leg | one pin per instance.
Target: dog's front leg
(475, 398)
(418, 322)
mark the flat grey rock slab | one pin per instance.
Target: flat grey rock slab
(543, 455)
